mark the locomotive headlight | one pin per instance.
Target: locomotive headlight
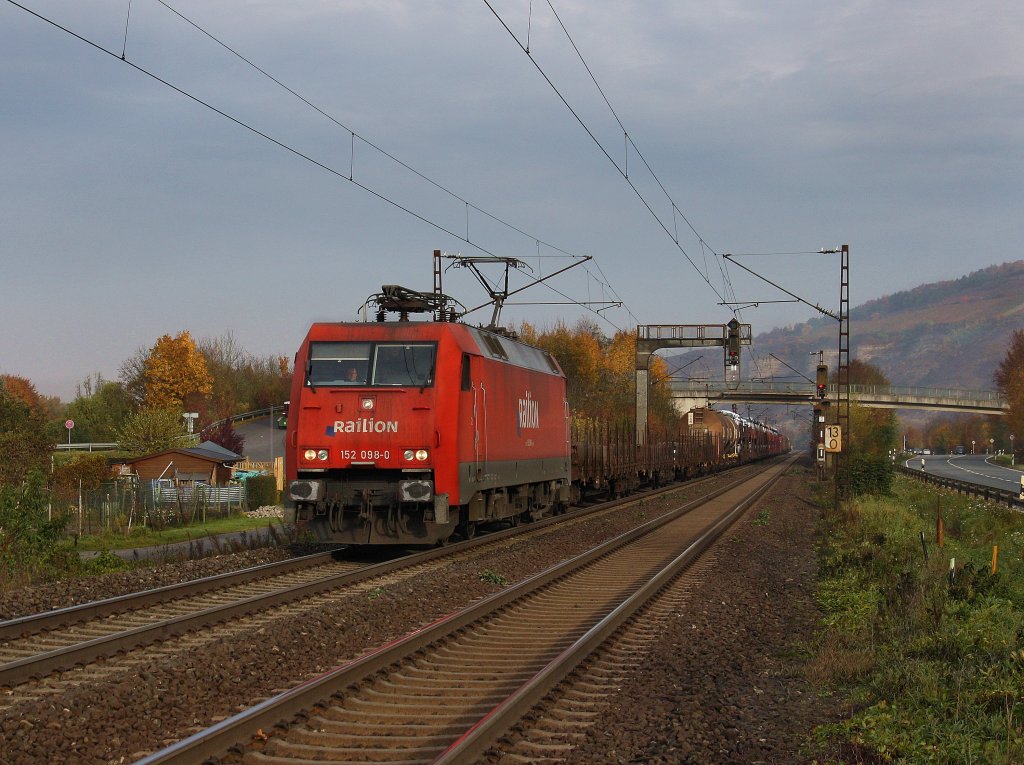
(309, 454)
(321, 455)
(421, 455)
(366, 404)
(408, 455)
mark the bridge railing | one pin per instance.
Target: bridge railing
(909, 392)
(898, 392)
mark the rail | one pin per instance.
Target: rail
(236, 730)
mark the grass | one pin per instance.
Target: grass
(147, 537)
(493, 577)
(933, 663)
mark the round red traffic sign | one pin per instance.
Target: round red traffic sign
(69, 424)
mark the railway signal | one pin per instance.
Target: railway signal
(822, 381)
(732, 346)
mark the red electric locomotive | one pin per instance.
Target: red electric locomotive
(401, 432)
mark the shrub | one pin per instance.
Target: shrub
(32, 545)
(84, 473)
(871, 475)
(260, 490)
(104, 563)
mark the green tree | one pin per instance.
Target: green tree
(151, 429)
(25, 444)
(871, 436)
(100, 409)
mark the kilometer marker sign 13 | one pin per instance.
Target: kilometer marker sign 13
(833, 438)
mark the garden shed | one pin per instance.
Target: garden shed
(208, 463)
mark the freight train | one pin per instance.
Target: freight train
(738, 436)
(406, 432)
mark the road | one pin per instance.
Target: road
(263, 440)
(970, 467)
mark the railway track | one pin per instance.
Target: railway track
(446, 692)
(34, 647)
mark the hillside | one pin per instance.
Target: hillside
(946, 334)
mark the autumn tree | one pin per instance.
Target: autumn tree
(579, 354)
(174, 370)
(1009, 379)
(601, 372)
(23, 390)
(618, 381)
(132, 376)
(85, 473)
(25, 444)
(946, 432)
(152, 429)
(243, 382)
(224, 434)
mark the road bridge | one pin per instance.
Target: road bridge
(694, 393)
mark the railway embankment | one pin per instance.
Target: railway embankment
(805, 636)
(922, 596)
(817, 637)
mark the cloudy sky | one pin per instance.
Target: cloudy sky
(130, 210)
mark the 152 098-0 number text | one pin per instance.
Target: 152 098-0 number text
(364, 454)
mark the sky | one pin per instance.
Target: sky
(129, 210)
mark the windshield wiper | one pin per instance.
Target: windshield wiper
(309, 371)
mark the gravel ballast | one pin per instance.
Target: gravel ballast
(723, 686)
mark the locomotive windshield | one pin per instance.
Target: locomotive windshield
(404, 364)
(362, 364)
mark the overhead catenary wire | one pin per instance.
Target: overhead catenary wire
(308, 158)
(629, 142)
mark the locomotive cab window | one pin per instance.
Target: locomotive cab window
(338, 364)
(410, 364)
(364, 364)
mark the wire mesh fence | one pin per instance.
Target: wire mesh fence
(118, 506)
